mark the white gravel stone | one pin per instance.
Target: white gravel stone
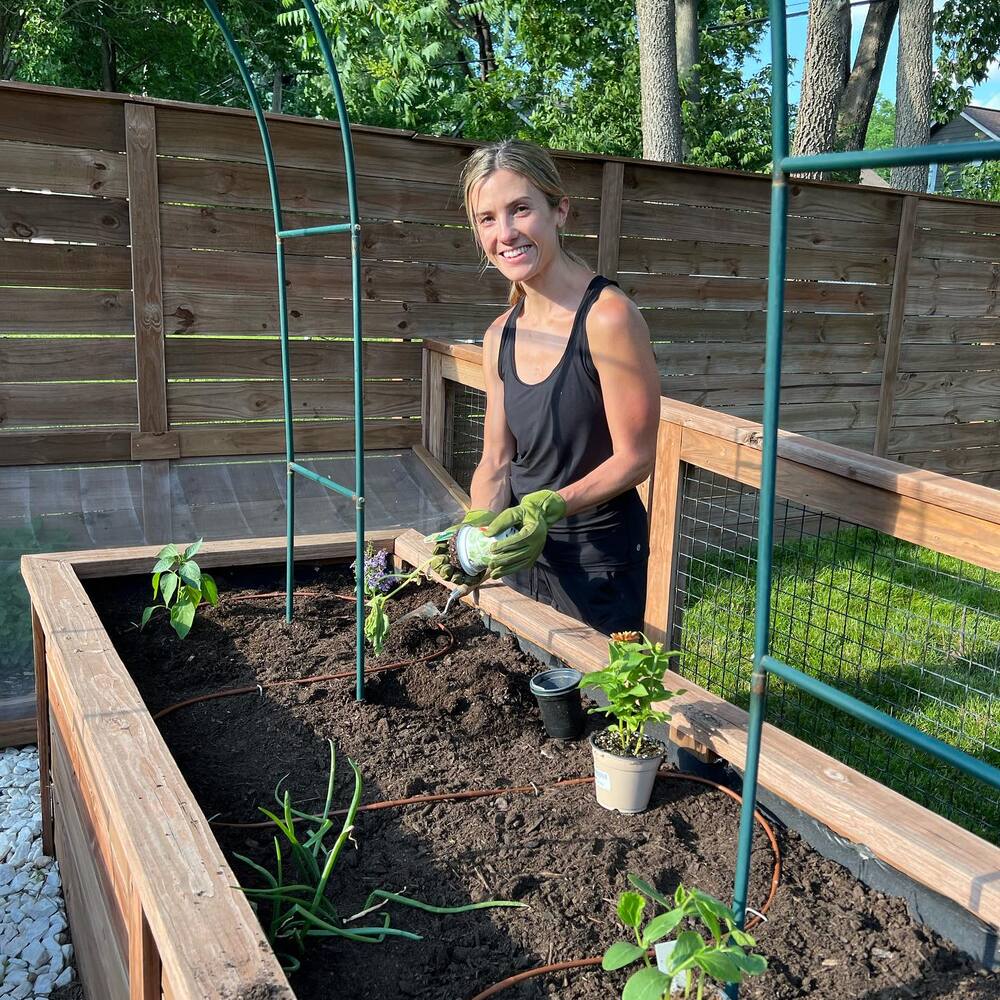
(36, 958)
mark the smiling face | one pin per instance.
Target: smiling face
(517, 228)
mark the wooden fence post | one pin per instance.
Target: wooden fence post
(432, 405)
(42, 733)
(154, 443)
(894, 324)
(609, 235)
(664, 523)
(144, 970)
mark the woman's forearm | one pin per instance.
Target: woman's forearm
(490, 488)
(612, 477)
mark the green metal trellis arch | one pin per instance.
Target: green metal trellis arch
(293, 468)
(765, 664)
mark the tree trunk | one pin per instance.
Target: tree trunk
(484, 36)
(109, 60)
(687, 55)
(11, 25)
(276, 91)
(824, 77)
(913, 88)
(862, 85)
(661, 99)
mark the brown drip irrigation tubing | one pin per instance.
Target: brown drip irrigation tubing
(343, 675)
(579, 963)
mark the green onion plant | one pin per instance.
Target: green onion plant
(300, 904)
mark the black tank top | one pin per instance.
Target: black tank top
(561, 433)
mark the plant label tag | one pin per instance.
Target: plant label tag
(663, 950)
(602, 779)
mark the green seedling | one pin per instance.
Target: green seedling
(633, 682)
(300, 907)
(379, 590)
(721, 958)
(181, 586)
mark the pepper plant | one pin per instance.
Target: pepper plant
(633, 682)
(181, 585)
(297, 889)
(723, 957)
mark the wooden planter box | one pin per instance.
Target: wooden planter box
(151, 900)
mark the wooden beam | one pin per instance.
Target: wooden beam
(609, 234)
(441, 474)
(147, 266)
(432, 405)
(927, 848)
(144, 972)
(42, 727)
(664, 511)
(894, 326)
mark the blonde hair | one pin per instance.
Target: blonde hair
(531, 162)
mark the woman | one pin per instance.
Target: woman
(572, 405)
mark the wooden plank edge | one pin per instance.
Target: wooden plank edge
(77, 645)
(900, 832)
(441, 474)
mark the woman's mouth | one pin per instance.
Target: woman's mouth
(515, 253)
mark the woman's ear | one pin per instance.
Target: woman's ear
(562, 212)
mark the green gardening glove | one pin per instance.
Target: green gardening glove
(531, 518)
(441, 561)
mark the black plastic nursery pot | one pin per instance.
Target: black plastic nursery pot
(557, 692)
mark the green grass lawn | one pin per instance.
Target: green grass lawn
(910, 631)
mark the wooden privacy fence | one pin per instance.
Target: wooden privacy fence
(140, 318)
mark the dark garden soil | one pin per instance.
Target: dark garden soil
(467, 720)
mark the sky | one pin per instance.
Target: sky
(986, 94)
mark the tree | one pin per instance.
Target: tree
(686, 20)
(881, 130)
(968, 37)
(859, 94)
(913, 89)
(824, 77)
(661, 100)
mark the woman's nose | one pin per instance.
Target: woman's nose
(508, 231)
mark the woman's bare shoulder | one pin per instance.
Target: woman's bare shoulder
(612, 312)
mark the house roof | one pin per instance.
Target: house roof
(987, 119)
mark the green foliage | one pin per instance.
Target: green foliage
(378, 592)
(633, 682)
(882, 130)
(967, 33)
(179, 582)
(299, 905)
(974, 180)
(723, 958)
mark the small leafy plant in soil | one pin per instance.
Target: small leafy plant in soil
(379, 590)
(633, 683)
(181, 585)
(722, 958)
(300, 908)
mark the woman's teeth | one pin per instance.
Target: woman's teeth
(514, 254)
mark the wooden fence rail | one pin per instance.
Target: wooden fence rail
(140, 311)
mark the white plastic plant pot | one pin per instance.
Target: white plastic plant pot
(621, 782)
(677, 984)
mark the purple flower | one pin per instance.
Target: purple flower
(378, 580)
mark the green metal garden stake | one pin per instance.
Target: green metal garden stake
(281, 234)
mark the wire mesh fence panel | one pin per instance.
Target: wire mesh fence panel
(465, 413)
(906, 629)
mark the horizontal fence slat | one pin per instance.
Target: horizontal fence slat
(43, 359)
(713, 359)
(669, 256)
(190, 357)
(954, 245)
(752, 193)
(318, 146)
(958, 216)
(946, 409)
(198, 401)
(27, 216)
(949, 357)
(748, 326)
(947, 330)
(930, 300)
(63, 170)
(194, 270)
(64, 266)
(37, 404)
(809, 417)
(945, 436)
(65, 310)
(942, 273)
(751, 293)
(62, 119)
(683, 222)
(916, 385)
(723, 391)
(239, 313)
(958, 462)
(269, 439)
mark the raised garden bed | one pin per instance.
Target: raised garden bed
(459, 721)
